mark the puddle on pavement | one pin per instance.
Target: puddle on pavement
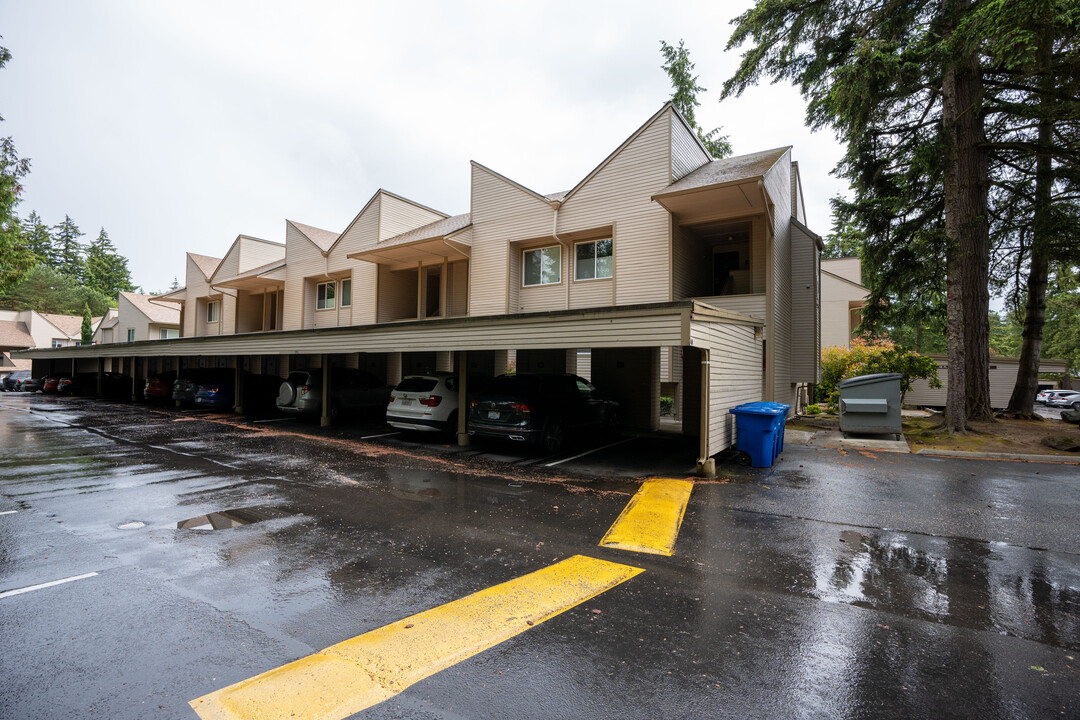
(226, 519)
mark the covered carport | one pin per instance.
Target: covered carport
(721, 355)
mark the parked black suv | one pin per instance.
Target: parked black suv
(549, 410)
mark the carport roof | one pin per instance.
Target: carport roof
(424, 243)
(651, 325)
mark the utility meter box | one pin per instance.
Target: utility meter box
(871, 404)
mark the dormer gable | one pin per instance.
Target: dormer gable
(246, 253)
(384, 216)
(495, 196)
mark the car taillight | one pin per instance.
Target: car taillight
(520, 407)
(213, 390)
(392, 398)
(473, 404)
(431, 400)
(305, 389)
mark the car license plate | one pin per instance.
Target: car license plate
(493, 414)
(406, 401)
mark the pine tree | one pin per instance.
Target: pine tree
(69, 251)
(679, 69)
(87, 327)
(106, 270)
(15, 257)
(38, 239)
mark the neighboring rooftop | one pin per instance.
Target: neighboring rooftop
(323, 239)
(70, 325)
(207, 265)
(157, 310)
(15, 334)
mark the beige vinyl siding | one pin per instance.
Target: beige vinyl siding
(758, 253)
(591, 293)
(1003, 372)
(686, 152)
(256, 253)
(363, 232)
(249, 311)
(130, 317)
(501, 213)
(798, 210)
(542, 298)
(690, 257)
(619, 195)
(753, 305)
(397, 216)
(805, 309)
(734, 376)
(303, 261)
(778, 186)
(847, 268)
(458, 290)
(230, 264)
(196, 285)
(397, 294)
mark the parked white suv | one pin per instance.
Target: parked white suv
(427, 403)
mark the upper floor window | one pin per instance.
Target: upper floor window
(324, 296)
(56, 343)
(213, 311)
(346, 293)
(543, 266)
(592, 260)
(169, 333)
(131, 335)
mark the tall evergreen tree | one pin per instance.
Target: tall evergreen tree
(15, 257)
(679, 68)
(106, 270)
(69, 251)
(901, 84)
(87, 327)
(38, 239)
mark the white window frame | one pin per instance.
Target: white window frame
(611, 267)
(163, 333)
(346, 297)
(329, 298)
(131, 334)
(57, 343)
(524, 263)
(213, 311)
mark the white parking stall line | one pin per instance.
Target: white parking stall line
(588, 452)
(369, 437)
(9, 512)
(285, 419)
(32, 588)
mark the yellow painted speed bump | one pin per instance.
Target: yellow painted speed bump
(650, 521)
(355, 674)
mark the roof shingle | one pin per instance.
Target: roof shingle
(156, 311)
(323, 239)
(15, 334)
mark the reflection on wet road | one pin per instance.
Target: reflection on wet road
(831, 585)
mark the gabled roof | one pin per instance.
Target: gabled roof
(322, 239)
(70, 325)
(734, 169)
(387, 193)
(844, 280)
(813, 235)
(14, 334)
(154, 308)
(437, 229)
(177, 295)
(206, 264)
(240, 238)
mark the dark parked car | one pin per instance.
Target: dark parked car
(216, 394)
(49, 387)
(11, 382)
(187, 384)
(32, 384)
(158, 388)
(351, 391)
(112, 384)
(548, 410)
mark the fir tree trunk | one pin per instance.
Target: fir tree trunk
(1022, 401)
(968, 257)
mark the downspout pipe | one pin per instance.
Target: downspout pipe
(706, 465)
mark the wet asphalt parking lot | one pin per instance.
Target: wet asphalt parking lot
(834, 585)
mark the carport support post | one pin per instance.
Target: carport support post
(134, 379)
(100, 375)
(462, 397)
(706, 466)
(238, 384)
(324, 421)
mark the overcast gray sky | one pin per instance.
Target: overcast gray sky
(179, 125)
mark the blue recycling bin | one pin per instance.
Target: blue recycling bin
(781, 422)
(757, 426)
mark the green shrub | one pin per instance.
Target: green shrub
(868, 357)
(813, 409)
(667, 405)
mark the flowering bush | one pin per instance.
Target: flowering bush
(871, 356)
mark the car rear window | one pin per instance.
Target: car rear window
(511, 385)
(417, 384)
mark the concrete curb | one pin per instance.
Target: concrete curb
(1057, 459)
